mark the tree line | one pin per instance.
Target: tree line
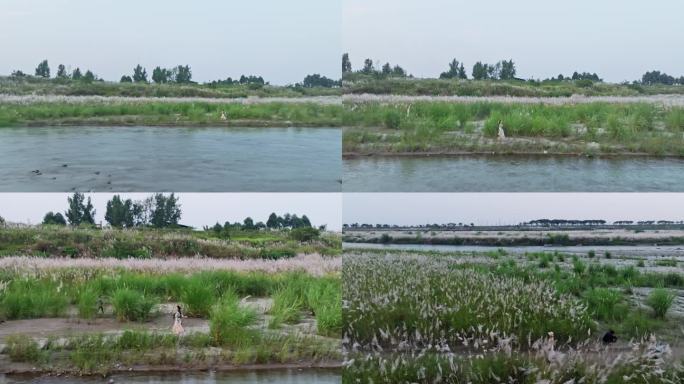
(158, 210)
(502, 70)
(180, 74)
(532, 223)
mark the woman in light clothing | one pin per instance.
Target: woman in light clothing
(177, 322)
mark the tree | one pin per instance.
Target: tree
(89, 77)
(248, 223)
(386, 69)
(368, 66)
(79, 211)
(2, 221)
(305, 221)
(507, 70)
(120, 212)
(183, 74)
(480, 71)
(346, 64)
(166, 211)
(76, 75)
(139, 74)
(453, 71)
(317, 80)
(61, 72)
(161, 75)
(126, 79)
(43, 69)
(272, 222)
(51, 218)
(304, 234)
(18, 73)
(398, 71)
(462, 72)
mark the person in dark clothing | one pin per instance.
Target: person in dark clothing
(609, 337)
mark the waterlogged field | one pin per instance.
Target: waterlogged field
(493, 317)
(182, 159)
(595, 128)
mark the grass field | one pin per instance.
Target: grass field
(39, 86)
(59, 111)
(72, 317)
(55, 241)
(360, 84)
(451, 127)
(471, 317)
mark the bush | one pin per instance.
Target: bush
(392, 119)
(22, 348)
(87, 304)
(131, 305)
(228, 323)
(660, 300)
(305, 234)
(198, 298)
(606, 304)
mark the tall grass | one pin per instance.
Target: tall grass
(130, 305)
(660, 300)
(229, 323)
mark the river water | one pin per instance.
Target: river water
(675, 251)
(158, 159)
(290, 376)
(512, 174)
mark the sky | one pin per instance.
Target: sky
(198, 209)
(282, 41)
(617, 39)
(507, 208)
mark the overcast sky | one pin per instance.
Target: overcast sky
(507, 208)
(618, 39)
(282, 41)
(198, 209)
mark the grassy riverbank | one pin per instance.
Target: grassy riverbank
(479, 317)
(376, 128)
(359, 84)
(169, 112)
(39, 86)
(79, 319)
(56, 241)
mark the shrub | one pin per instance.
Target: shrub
(22, 348)
(606, 304)
(198, 297)
(392, 119)
(591, 254)
(305, 234)
(87, 304)
(228, 323)
(131, 305)
(660, 300)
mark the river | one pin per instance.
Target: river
(512, 174)
(165, 159)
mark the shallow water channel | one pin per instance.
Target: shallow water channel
(512, 174)
(289, 376)
(675, 251)
(146, 159)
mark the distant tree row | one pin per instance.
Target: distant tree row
(533, 223)
(251, 79)
(316, 80)
(43, 70)
(181, 74)
(158, 211)
(656, 77)
(386, 70)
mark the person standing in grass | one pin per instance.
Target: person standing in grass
(177, 322)
(501, 135)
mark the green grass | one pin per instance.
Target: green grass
(359, 84)
(39, 86)
(149, 242)
(171, 113)
(197, 297)
(130, 305)
(229, 322)
(660, 300)
(617, 128)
